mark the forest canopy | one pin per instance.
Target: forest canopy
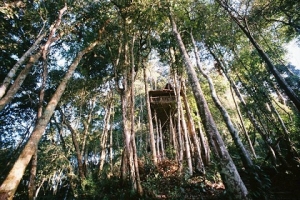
(162, 99)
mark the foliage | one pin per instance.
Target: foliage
(98, 82)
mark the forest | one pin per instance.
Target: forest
(160, 99)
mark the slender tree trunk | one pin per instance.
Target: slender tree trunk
(136, 165)
(291, 149)
(281, 82)
(284, 128)
(76, 146)
(186, 140)
(125, 95)
(150, 123)
(33, 170)
(161, 141)
(39, 188)
(242, 123)
(157, 138)
(191, 125)
(127, 103)
(204, 145)
(180, 142)
(111, 144)
(232, 180)
(173, 132)
(10, 184)
(86, 125)
(279, 95)
(103, 140)
(124, 166)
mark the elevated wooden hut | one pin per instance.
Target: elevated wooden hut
(163, 103)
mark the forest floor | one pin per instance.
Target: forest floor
(285, 186)
(164, 182)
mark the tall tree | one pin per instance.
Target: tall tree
(9, 186)
(233, 131)
(232, 179)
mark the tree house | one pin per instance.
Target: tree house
(163, 103)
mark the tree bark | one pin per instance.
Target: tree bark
(33, 170)
(242, 123)
(180, 142)
(150, 123)
(86, 125)
(157, 138)
(111, 144)
(161, 141)
(174, 140)
(191, 127)
(76, 146)
(132, 118)
(204, 145)
(292, 153)
(231, 178)
(186, 141)
(103, 140)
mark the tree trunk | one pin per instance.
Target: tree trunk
(232, 180)
(31, 184)
(86, 125)
(132, 118)
(291, 150)
(111, 144)
(174, 140)
(242, 123)
(191, 127)
(103, 140)
(161, 141)
(10, 184)
(136, 165)
(125, 96)
(76, 146)
(204, 145)
(186, 140)
(149, 116)
(157, 137)
(127, 103)
(180, 142)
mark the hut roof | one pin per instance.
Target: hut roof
(167, 91)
